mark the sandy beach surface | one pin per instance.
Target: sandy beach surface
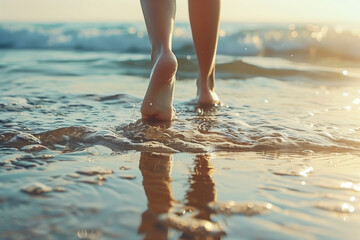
(279, 160)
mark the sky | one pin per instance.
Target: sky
(332, 11)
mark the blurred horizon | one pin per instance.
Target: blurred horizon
(256, 11)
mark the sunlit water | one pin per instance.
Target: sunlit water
(279, 159)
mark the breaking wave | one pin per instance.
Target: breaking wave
(235, 39)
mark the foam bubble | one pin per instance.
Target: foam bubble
(243, 208)
(95, 171)
(37, 189)
(14, 104)
(24, 139)
(34, 148)
(192, 226)
(338, 207)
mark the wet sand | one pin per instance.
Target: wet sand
(99, 194)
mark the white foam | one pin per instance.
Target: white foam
(14, 104)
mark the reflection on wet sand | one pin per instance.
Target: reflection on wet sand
(155, 169)
(202, 187)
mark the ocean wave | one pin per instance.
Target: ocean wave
(235, 39)
(238, 68)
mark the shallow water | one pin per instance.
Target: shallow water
(279, 159)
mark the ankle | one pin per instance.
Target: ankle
(207, 82)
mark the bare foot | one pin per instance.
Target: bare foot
(158, 100)
(206, 95)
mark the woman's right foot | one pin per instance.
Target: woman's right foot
(206, 95)
(158, 100)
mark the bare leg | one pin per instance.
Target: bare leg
(204, 19)
(159, 17)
